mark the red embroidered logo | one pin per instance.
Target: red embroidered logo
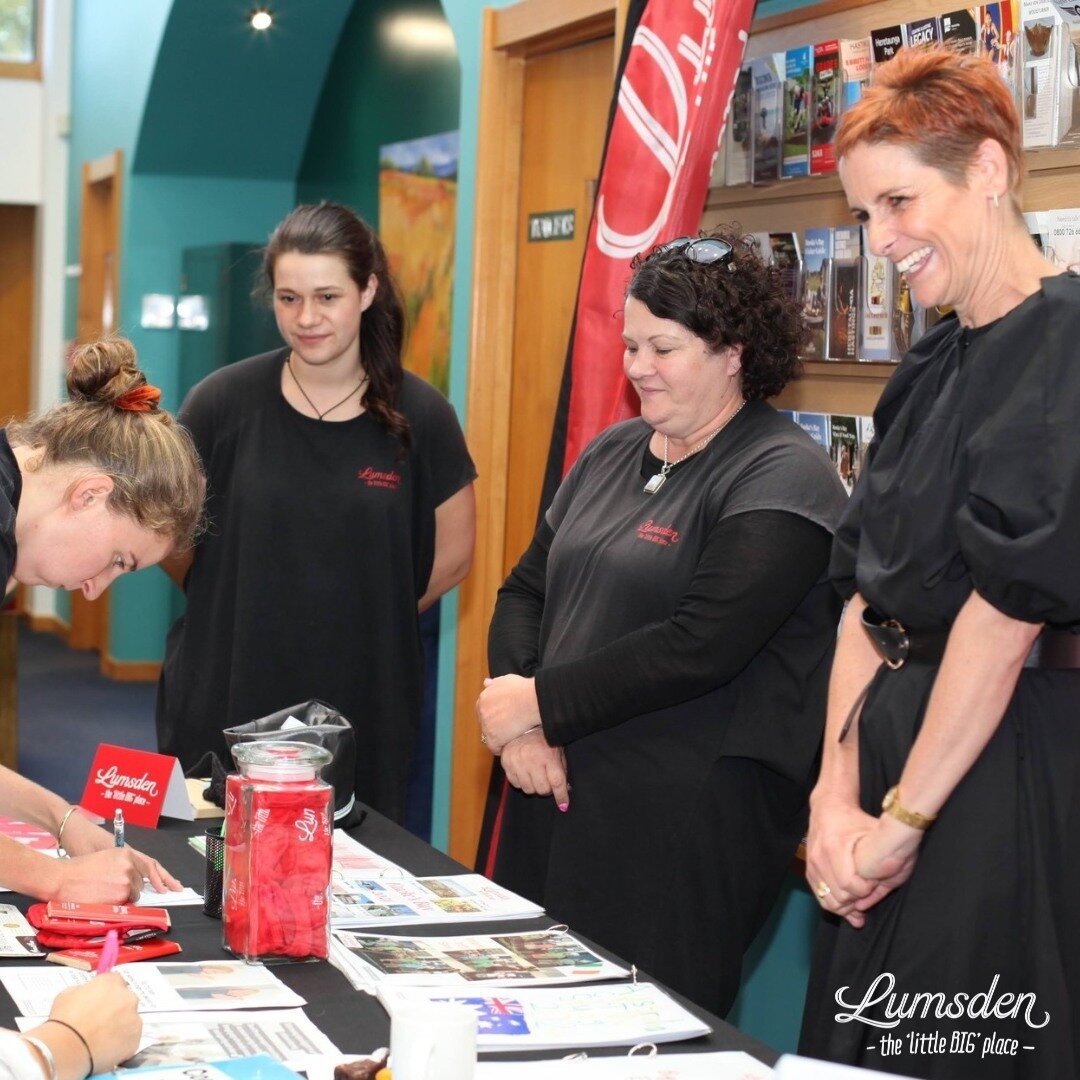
(374, 478)
(664, 535)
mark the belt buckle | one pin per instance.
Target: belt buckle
(896, 624)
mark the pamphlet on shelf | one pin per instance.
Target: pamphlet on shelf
(960, 30)
(885, 43)
(767, 115)
(796, 159)
(552, 1018)
(817, 251)
(845, 287)
(737, 167)
(826, 107)
(535, 958)
(854, 70)
(923, 33)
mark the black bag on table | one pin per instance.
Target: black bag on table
(323, 726)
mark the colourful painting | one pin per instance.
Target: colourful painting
(417, 213)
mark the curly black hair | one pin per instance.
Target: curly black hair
(739, 301)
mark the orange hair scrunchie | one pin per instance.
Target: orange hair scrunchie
(139, 399)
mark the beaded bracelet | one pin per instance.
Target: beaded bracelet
(78, 1035)
(60, 833)
(45, 1052)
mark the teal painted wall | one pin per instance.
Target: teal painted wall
(377, 91)
(147, 78)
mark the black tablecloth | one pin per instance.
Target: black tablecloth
(354, 1021)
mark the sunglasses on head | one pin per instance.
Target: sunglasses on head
(706, 250)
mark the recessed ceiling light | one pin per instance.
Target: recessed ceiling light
(261, 19)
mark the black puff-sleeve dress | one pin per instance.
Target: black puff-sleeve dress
(973, 483)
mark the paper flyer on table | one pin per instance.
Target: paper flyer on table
(165, 987)
(18, 938)
(363, 899)
(538, 958)
(185, 897)
(572, 1017)
(259, 1067)
(188, 1038)
(725, 1065)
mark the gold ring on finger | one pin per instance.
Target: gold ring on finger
(822, 890)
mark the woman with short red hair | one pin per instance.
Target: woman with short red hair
(940, 827)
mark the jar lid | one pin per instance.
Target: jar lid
(273, 760)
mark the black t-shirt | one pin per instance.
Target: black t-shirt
(10, 492)
(320, 543)
(635, 609)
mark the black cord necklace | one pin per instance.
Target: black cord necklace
(314, 408)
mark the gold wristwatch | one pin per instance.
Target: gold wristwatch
(892, 806)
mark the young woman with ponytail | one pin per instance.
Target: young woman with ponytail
(340, 505)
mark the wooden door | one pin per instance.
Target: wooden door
(547, 75)
(16, 308)
(99, 257)
(566, 99)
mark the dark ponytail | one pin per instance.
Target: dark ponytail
(331, 229)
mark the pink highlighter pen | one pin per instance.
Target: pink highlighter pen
(109, 952)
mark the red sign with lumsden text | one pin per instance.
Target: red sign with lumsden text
(141, 784)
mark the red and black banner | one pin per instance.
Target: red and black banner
(676, 75)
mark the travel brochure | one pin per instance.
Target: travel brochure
(260, 1067)
(538, 958)
(725, 1065)
(167, 987)
(190, 1038)
(363, 899)
(620, 1014)
(17, 937)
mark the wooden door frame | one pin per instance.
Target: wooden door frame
(510, 36)
(89, 628)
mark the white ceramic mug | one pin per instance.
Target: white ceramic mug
(432, 1041)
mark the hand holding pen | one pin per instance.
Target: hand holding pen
(118, 828)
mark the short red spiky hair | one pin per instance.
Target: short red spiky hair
(940, 105)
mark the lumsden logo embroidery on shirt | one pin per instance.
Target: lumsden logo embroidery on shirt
(374, 478)
(664, 535)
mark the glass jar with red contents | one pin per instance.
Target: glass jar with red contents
(279, 819)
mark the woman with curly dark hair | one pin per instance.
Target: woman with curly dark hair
(664, 643)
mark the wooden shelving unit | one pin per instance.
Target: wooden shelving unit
(1053, 180)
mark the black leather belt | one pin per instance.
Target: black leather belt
(897, 645)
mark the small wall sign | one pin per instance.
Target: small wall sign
(551, 225)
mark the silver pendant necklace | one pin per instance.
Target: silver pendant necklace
(314, 409)
(657, 480)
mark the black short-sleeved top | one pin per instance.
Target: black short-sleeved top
(320, 543)
(621, 560)
(973, 479)
(10, 493)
